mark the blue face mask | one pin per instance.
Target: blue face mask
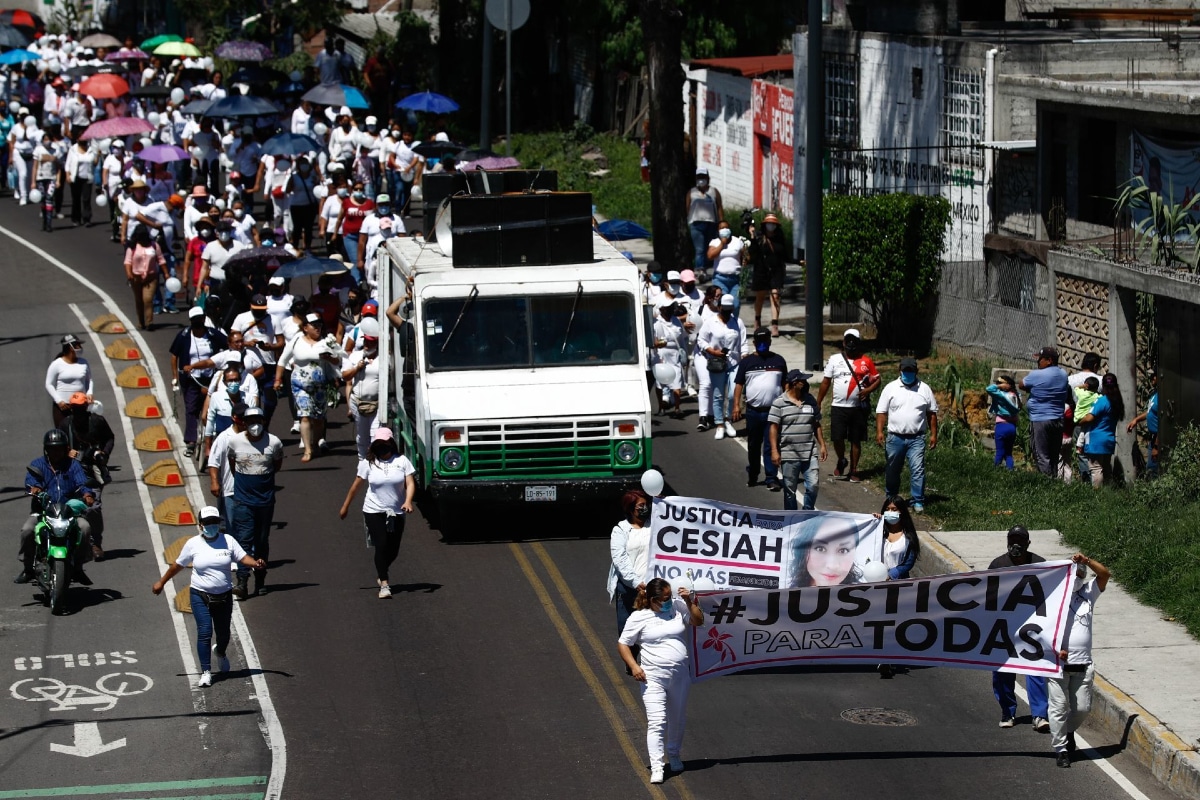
(762, 348)
(234, 388)
(908, 377)
(655, 278)
(385, 211)
(212, 531)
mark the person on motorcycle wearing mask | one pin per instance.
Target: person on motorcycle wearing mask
(629, 545)
(91, 440)
(909, 410)
(62, 479)
(1004, 684)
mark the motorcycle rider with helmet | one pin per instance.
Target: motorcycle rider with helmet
(91, 441)
(64, 480)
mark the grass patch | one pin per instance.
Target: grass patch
(618, 195)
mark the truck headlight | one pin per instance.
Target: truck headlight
(452, 459)
(628, 452)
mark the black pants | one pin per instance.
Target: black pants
(385, 534)
(81, 201)
(303, 219)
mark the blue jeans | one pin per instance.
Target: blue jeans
(758, 446)
(1004, 686)
(792, 472)
(252, 529)
(722, 394)
(1006, 436)
(702, 233)
(899, 448)
(625, 595)
(1151, 462)
(207, 618)
(729, 284)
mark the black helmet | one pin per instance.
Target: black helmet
(54, 438)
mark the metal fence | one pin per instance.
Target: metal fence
(1000, 307)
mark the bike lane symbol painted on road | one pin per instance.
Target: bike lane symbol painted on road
(71, 697)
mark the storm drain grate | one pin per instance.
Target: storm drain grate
(888, 717)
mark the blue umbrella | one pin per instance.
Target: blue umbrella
(309, 265)
(18, 57)
(430, 102)
(621, 230)
(336, 94)
(290, 144)
(240, 105)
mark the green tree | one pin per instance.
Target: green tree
(885, 250)
(219, 21)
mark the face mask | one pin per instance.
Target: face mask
(1016, 551)
(724, 233)
(908, 377)
(702, 185)
(201, 205)
(675, 288)
(239, 213)
(762, 348)
(359, 196)
(342, 193)
(387, 234)
(78, 348)
(385, 211)
(667, 609)
(211, 531)
(770, 227)
(234, 388)
(725, 313)
(382, 453)
(305, 169)
(642, 514)
(891, 517)
(255, 429)
(268, 242)
(370, 129)
(225, 237)
(345, 126)
(655, 278)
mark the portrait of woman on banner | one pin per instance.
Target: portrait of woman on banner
(825, 553)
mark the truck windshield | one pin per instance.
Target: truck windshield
(530, 331)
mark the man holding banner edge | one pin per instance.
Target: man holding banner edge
(1004, 683)
(1071, 693)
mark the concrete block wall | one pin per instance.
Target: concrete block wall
(725, 136)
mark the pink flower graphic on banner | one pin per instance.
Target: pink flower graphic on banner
(716, 641)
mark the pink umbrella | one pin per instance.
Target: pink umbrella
(116, 128)
(492, 162)
(128, 55)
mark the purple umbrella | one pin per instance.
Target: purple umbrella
(131, 55)
(492, 162)
(243, 51)
(163, 153)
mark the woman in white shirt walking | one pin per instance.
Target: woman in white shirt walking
(66, 375)
(728, 254)
(390, 489)
(210, 554)
(659, 624)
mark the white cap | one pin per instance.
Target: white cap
(372, 120)
(726, 301)
(276, 281)
(674, 275)
(852, 332)
(195, 311)
(441, 136)
(344, 111)
(210, 512)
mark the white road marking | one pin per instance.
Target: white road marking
(87, 742)
(273, 729)
(1095, 758)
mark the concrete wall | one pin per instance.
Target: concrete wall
(725, 136)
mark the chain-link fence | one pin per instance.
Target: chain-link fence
(1000, 306)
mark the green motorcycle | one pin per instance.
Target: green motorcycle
(56, 536)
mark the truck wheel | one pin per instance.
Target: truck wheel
(58, 587)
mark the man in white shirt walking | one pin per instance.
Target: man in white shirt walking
(908, 409)
(1071, 695)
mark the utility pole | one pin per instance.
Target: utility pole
(814, 312)
(485, 95)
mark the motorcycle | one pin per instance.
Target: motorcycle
(56, 537)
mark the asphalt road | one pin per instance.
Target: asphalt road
(491, 673)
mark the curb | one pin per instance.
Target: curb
(1171, 760)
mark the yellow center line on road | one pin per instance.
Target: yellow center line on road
(602, 654)
(585, 669)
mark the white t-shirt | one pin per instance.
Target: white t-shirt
(907, 408)
(279, 309)
(1077, 636)
(217, 457)
(210, 562)
(660, 635)
(64, 379)
(366, 383)
(846, 377)
(216, 254)
(729, 260)
(300, 122)
(385, 484)
(256, 334)
(637, 545)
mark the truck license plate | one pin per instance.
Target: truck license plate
(541, 494)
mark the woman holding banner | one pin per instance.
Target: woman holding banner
(629, 545)
(659, 624)
(825, 553)
(900, 548)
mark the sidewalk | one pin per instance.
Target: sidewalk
(1147, 691)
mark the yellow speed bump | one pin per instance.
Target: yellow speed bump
(153, 440)
(108, 323)
(163, 473)
(183, 602)
(123, 350)
(134, 377)
(143, 407)
(175, 511)
(172, 550)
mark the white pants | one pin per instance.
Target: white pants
(22, 164)
(1070, 703)
(364, 429)
(704, 398)
(665, 696)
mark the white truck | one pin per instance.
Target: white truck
(513, 382)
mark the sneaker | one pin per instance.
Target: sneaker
(702, 426)
(886, 672)
(729, 430)
(918, 508)
(24, 202)
(323, 446)
(190, 450)
(296, 426)
(222, 661)
(774, 486)
(1007, 722)
(205, 680)
(692, 392)
(720, 432)
(385, 591)
(1041, 725)
(656, 773)
(1064, 760)
(23, 577)
(842, 463)
(97, 553)
(751, 480)
(676, 763)
(854, 478)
